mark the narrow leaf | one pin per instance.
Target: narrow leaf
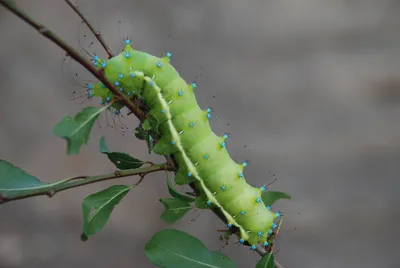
(267, 261)
(76, 130)
(222, 261)
(149, 142)
(175, 209)
(270, 197)
(97, 208)
(173, 248)
(177, 194)
(120, 160)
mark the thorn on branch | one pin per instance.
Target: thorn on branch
(51, 193)
(3, 199)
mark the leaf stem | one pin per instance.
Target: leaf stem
(92, 29)
(51, 189)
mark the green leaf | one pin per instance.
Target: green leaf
(103, 146)
(267, 261)
(140, 133)
(201, 202)
(270, 197)
(173, 248)
(97, 208)
(175, 209)
(221, 260)
(14, 180)
(76, 130)
(150, 124)
(177, 194)
(121, 160)
(124, 161)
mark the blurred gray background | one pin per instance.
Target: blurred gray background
(309, 90)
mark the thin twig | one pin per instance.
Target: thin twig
(99, 73)
(90, 26)
(51, 189)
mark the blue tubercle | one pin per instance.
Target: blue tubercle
(127, 42)
(194, 85)
(242, 212)
(102, 103)
(223, 187)
(259, 234)
(206, 156)
(226, 136)
(117, 112)
(189, 174)
(90, 94)
(278, 215)
(108, 99)
(253, 247)
(223, 144)
(163, 111)
(268, 207)
(120, 75)
(173, 142)
(258, 200)
(90, 86)
(241, 241)
(241, 175)
(263, 188)
(127, 54)
(132, 75)
(230, 225)
(209, 202)
(116, 83)
(103, 86)
(208, 116)
(103, 64)
(180, 92)
(245, 164)
(95, 58)
(168, 54)
(159, 64)
(274, 225)
(266, 243)
(270, 231)
(151, 83)
(121, 89)
(191, 124)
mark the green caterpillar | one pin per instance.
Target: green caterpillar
(185, 133)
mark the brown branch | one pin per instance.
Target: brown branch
(90, 26)
(99, 73)
(51, 189)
